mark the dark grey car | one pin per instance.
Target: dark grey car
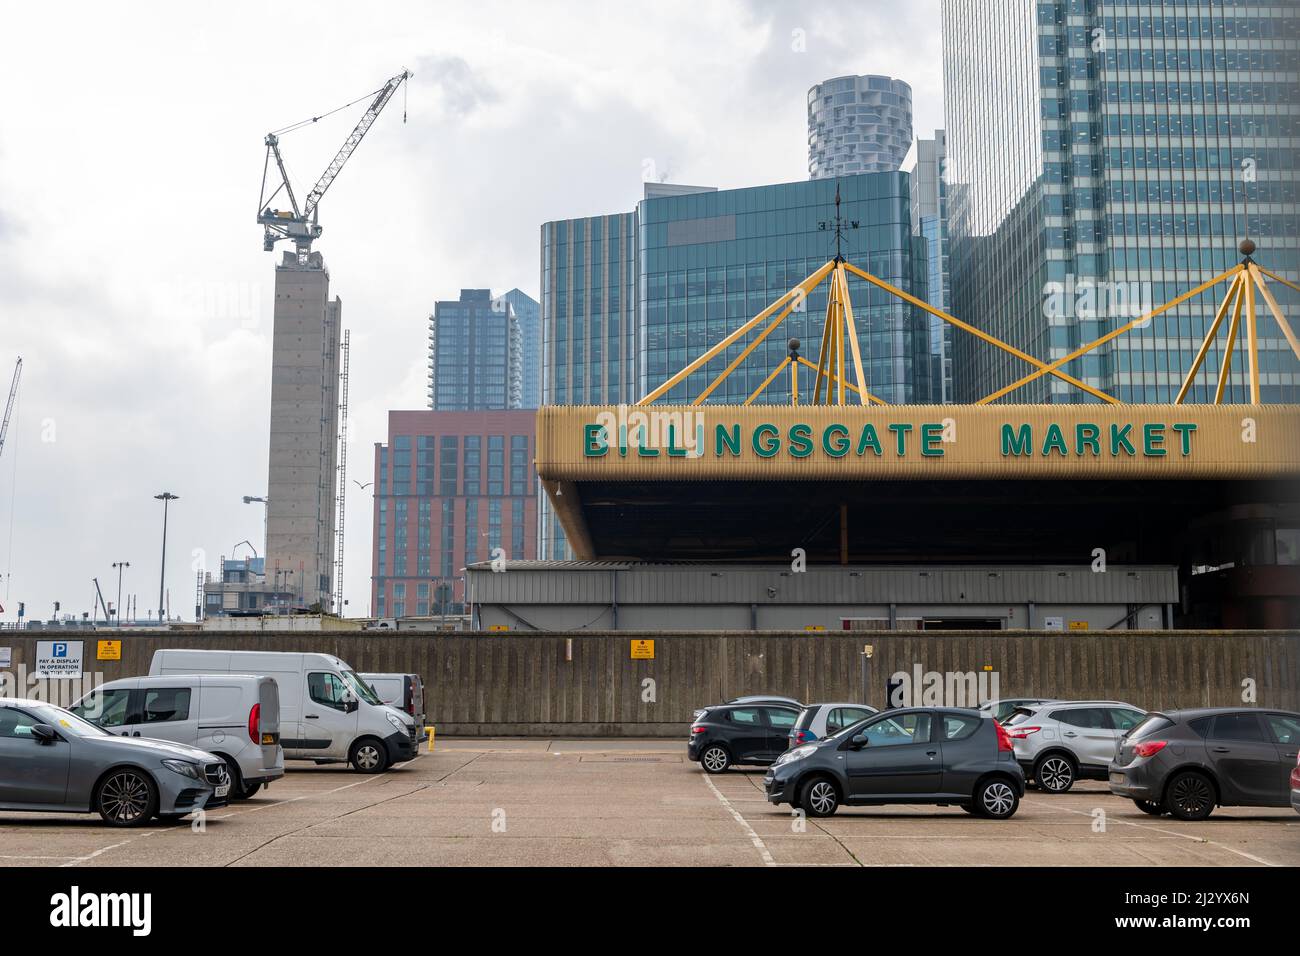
(1187, 762)
(52, 760)
(935, 755)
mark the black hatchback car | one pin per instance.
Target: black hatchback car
(725, 735)
(1187, 762)
(936, 755)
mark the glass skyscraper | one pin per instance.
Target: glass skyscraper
(529, 315)
(475, 354)
(712, 260)
(1104, 157)
(930, 222)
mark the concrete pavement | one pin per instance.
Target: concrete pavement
(628, 802)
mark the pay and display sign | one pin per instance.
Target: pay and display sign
(59, 658)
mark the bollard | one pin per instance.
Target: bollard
(430, 732)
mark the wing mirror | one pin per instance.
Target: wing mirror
(44, 733)
(858, 741)
(349, 704)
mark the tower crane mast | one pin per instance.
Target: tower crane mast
(302, 224)
(9, 405)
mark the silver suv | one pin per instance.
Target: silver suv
(1057, 742)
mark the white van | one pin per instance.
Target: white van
(327, 713)
(234, 716)
(403, 691)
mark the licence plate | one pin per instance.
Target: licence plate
(1118, 778)
(223, 789)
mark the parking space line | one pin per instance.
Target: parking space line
(1185, 836)
(753, 836)
(102, 850)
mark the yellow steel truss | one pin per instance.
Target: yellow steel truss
(1243, 282)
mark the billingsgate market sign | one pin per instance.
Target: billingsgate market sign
(851, 442)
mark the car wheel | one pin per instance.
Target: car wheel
(368, 756)
(1054, 773)
(819, 798)
(236, 779)
(1190, 796)
(250, 789)
(996, 799)
(715, 759)
(127, 798)
(1153, 807)
(968, 807)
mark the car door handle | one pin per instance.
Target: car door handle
(1069, 733)
(313, 716)
(1221, 750)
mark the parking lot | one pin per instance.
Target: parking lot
(628, 802)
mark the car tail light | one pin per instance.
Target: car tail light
(1149, 748)
(1004, 739)
(800, 737)
(1295, 777)
(1021, 733)
(697, 730)
(255, 724)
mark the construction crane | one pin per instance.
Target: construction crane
(9, 406)
(302, 224)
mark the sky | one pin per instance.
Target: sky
(134, 286)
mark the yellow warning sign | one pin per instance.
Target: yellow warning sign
(109, 651)
(643, 650)
(814, 627)
(498, 627)
(1078, 625)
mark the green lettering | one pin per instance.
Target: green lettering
(595, 441)
(1087, 435)
(1119, 439)
(1020, 442)
(800, 441)
(728, 439)
(673, 450)
(1185, 430)
(900, 430)
(1153, 440)
(839, 448)
(1054, 440)
(766, 449)
(931, 440)
(868, 439)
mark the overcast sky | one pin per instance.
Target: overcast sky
(132, 277)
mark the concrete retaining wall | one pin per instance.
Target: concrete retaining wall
(587, 684)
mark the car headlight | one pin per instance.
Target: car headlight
(184, 768)
(396, 722)
(790, 756)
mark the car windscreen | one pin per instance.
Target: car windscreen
(360, 688)
(1151, 724)
(68, 722)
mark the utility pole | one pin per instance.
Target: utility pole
(166, 498)
(119, 565)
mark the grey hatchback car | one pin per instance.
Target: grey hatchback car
(1187, 762)
(52, 760)
(933, 755)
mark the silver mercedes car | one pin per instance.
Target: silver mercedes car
(53, 760)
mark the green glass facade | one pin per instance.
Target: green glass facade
(1104, 157)
(709, 261)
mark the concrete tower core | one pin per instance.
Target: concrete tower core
(304, 432)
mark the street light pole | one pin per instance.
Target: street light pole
(166, 498)
(120, 565)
